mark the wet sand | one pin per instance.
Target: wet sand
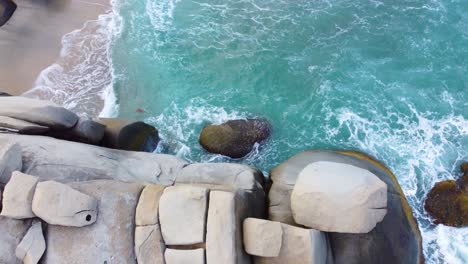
(31, 40)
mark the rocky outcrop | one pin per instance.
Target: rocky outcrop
(447, 202)
(40, 112)
(262, 238)
(110, 239)
(337, 197)
(53, 159)
(32, 246)
(10, 159)
(7, 8)
(59, 204)
(8, 124)
(235, 138)
(394, 240)
(129, 135)
(18, 196)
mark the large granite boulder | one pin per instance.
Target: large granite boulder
(447, 202)
(7, 8)
(85, 131)
(10, 159)
(13, 125)
(18, 196)
(110, 239)
(32, 246)
(129, 135)
(12, 232)
(36, 111)
(355, 205)
(235, 138)
(53, 159)
(396, 239)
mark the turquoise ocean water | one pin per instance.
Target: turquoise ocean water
(389, 78)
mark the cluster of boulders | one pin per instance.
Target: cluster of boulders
(29, 116)
(447, 202)
(69, 202)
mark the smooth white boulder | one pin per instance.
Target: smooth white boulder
(12, 232)
(299, 246)
(10, 159)
(59, 204)
(221, 229)
(189, 256)
(14, 125)
(111, 239)
(262, 237)
(65, 161)
(148, 205)
(32, 247)
(40, 112)
(149, 245)
(338, 197)
(182, 214)
(18, 196)
(238, 176)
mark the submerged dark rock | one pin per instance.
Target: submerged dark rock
(7, 8)
(129, 135)
(396, 239)
(447, 202)
(235, 138)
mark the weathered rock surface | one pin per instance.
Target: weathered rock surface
(149, 245)
(40, 112)
(32, 247)
(18, 196)
(235, 138)
(12, 232)
(192, 256)
(13, 125)
(10, 159)
(262, 237)
(447, 202)
(85, 130)
(148, 205)
(129, 135)
(221, 229)
(110, 239)
(230, 174)
(299, 246)
(53, 159)
(394, 240)
(352, 200)
(59, 204)
(182, 214)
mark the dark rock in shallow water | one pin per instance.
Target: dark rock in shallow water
(396, 239)
(464, 167)
(7, 8)
(235, 138)
(447, 202)
(129, 135)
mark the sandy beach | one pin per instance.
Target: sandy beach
(31, 40)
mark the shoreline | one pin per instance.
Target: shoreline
(29, 48)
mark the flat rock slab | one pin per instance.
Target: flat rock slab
(192, 256)
(54, 159)
(351, 199)
(147, 211)
(36, 111)
(221, 229)
(396, 239)
(299, 246)
(149, 245)
(59, 204)
(262, 238)
(182, 214)
(18, 196)
(110, 239)
(12, 232)
(14, 125)
(32, 246)
(236, 175)
(10, 159)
